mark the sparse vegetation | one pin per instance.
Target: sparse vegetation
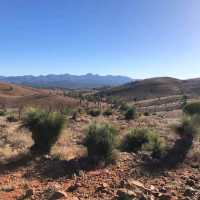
(192, 108)
(156, 145)
(108, 112)
(189, 127)
(2, 113)
(45, 127)
(124, 107)
(130, 113)
(95, 112)
(11, 118)
(68, 156)
(135, 139)
(187, 130)
(67, 111)
(100, 142)
(183, 101)
(143, 139)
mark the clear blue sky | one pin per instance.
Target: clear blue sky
(138, 38)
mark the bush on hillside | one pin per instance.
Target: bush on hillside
(108, 112)
(45, 127)
(189, 127)
(124, 107)
(67, 111)
(135, 139)
(187, 131)
(100, 142)
(143, 139)
(130, 113)
(155, 145)
(2, 113)
(94, 112)
(192, 108)
(183, 101)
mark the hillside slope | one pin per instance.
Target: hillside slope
(14, 95)
(154, 88)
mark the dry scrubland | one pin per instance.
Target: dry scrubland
(67, 173)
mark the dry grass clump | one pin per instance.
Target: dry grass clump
(143, 139)
(45, 127)
(100, 142)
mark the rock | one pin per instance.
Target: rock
(163, 190)
(190, 182)
(165, 196)
(103, 187)
(58, 195)
(29, 193)
(143, 197)
(74, 187)
(152, 187)
(189, 192)
(7, 188)
(133, 183)
(126, 194)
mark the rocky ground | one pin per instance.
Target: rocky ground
(66, 174)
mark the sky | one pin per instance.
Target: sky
(136, 38)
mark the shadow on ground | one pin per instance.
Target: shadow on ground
(45, 167)
(173, 157)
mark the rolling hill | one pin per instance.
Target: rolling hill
(14, 96)
(154, 88)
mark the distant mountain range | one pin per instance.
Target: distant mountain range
(67, 81)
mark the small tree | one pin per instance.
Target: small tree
(100, 142)
(45, 127)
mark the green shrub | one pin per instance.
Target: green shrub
(100, 142)
(155, 145)
(192, 108)
(124, 107)
(45, 127)
(130, 113)
(67, 111)
(95, 112)
(143, 139)
(189, 127)
(108, 112)
(2, 113)
(135, 139)
(183, 101)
